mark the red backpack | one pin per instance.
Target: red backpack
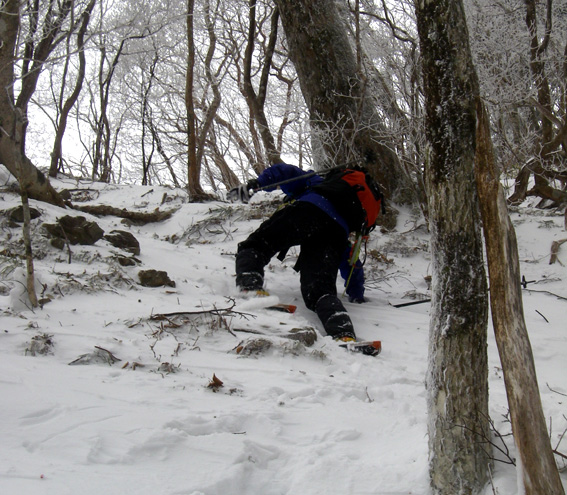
(355, 195)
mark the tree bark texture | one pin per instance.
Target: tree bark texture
(194, 169)
(56, 154)
(256, 101)
(38, 54)
(103, 152)
(552, 126)
(12, 121)
(457, 378)
(539, 471)
(30, 275)
(343, 119)
(212, 108)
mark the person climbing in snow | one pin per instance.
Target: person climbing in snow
(319, 216)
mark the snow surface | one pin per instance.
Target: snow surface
(294, 420)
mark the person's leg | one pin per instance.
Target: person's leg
(335, 319)
(319, 263)
(250, 269)
(287, 227)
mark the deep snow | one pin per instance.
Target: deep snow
(295, 420)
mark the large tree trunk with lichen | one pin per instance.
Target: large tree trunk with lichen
(457, 379)
(343, 119)
(539, 471)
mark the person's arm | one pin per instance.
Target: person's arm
(273, 175)
(280, 172)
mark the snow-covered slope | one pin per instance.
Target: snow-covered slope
(292, 420)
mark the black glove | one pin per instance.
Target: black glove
(239, 193)
(242, 192)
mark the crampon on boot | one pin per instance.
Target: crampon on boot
(367, 347)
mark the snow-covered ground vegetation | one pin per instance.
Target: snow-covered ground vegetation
(191, 388)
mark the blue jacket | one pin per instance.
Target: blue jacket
(300, 190)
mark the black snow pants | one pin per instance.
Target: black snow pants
(322, 244)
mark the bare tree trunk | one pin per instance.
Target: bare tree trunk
(228, 177)
(157, 139)
(12, 120)
(102, 166)
(211, 110)
(56, 154)
(30, 276)
(521, 186)
(38, 55)
(549, 141)
(537, 65)
(147, 122)
(242, 143)
(341, 110)
(194, 188)
(256, 101)
(457, 378)
(104, 146)
(539, 471)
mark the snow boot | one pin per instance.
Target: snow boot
(250, 281)
(333, 315)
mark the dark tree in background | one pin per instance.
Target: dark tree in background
(256, 100)
(65, 108)
(13, 110)
(194, 187)
(345, 125)
(548, 162)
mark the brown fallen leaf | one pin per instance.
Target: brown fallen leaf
(215, 383)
